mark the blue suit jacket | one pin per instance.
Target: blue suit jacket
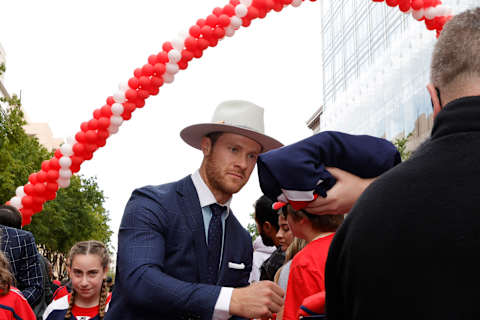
(162, 256)
(20, 249)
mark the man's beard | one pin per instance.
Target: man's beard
(266, 239)
(216, 179)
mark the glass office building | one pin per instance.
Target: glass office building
(376, 63)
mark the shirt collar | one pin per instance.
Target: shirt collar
(205, 196)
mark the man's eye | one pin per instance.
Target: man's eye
(233, 149)
(252, 156)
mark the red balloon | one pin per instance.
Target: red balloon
(51, 187)
(144, 82)
(27, 201)
(84, 126)
(110, 100)
(229, 10)
(154, 91)
(157, 82)
(182, 65)
(262, 13)
(75, 168)
(126, 116)
(417, 4)
(39, 189)
(54, 164)
(78, 149)
(259, 4)
(106, 111)
(147, 70)
(213, 43)
(27, 219)
(430, 24)
(143, 94)
(88, 156)
(77, 160)
(219, 33)
(404, 5)
(187, 55)
(137, 73)
(103, 134)
(93, 124)
(427, 3)
(26, 213)
(133, 82)
(252, 13)
(190, 43)
(131, 94)
(159, 69)
(58, 154)
(278, 7)
(50, 195)
(194, 31)
(91, 136)
(45, 165)
(33, 178)
(129, 107)
(38, 207)
(223, 21)
(103, 123)
(207, 31)
(246, 22)
(201, 22)
(97, 114)
(217, 11)
(167, 46)
(197, 53)
(391, 3)
(234, 2)
(140, 103)
(42, 176)
(90, 148)
(202, 44)
(52, 176)
(212, 20)
(102, 142)
(152, 59)
(80, 136)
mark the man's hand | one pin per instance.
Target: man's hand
(258, 300)
(342, 196)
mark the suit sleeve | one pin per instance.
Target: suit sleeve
(29, 275)
(141, 256)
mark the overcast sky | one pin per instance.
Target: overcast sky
(67, 57)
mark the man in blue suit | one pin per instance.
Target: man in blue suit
(182, 254)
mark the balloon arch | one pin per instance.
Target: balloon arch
(161, 68)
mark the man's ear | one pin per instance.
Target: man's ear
(435, 99)
(267, 226)
(206, 146)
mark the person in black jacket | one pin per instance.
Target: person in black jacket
(408, 248)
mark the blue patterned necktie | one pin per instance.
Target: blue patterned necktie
(215, 233)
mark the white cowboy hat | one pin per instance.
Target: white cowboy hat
(234, 116)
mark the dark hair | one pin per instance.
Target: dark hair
(323, 223)
(213, 136)
(6, 278)
(265, 213)
(10, 216)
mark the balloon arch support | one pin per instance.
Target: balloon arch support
(160, 69)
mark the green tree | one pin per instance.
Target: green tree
(252, 227)
(401, 144)
(76, 214)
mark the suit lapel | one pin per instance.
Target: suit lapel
(190, 206)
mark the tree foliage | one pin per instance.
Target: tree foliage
(401, 144)
(76, 214)
(252, 227)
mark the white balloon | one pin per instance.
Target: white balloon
(178, 43)
(112, 129)
(117, 109)
(418, 14)
(65, 162)
(296, 3)
(172, 68)
(236, 22)
(20, 192)
(168, 78)
(174, 56)
(246, 3)
(16, 202)
(65, 173)
(123, 86)
(63, 183)
(430, 13)
(241, 10)
(66, 149)
(116, 121)
(119, 96)
(229, 31)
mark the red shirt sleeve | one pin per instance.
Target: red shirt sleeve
(22, 308)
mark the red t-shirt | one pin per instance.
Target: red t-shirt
(14, 306)
(87, 313)
(307, 275)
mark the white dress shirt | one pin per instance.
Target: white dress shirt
(206, 197)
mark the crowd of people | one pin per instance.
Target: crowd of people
(406, 249)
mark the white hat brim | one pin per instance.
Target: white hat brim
(193, 135)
